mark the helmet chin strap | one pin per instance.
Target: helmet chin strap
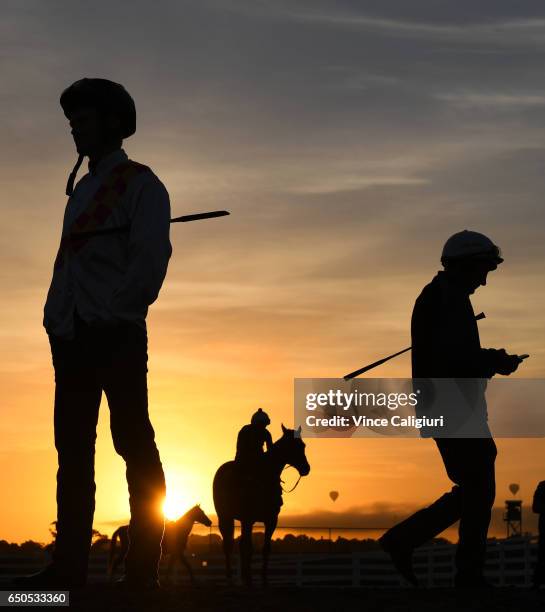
(72, 177)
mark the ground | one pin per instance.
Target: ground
(277, 599)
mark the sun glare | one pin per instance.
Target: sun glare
(174, 506)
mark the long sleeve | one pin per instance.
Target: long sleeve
(149, 250)
(268, 440)
(445, 337)
(461, 344)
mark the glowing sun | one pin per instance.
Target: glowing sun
(174, 506)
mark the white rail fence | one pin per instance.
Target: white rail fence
(509, 562)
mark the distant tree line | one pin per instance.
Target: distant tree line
(203, 544)
(100, 541)
(290, 543)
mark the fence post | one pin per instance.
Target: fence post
(299, 572)
(356, 569)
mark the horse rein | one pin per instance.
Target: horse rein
(281, 481)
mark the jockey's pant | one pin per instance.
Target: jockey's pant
(469, 463)
(113, 360)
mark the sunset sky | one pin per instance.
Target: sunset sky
(349, 140)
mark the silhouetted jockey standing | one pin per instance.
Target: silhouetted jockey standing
(445, 344)
(250, 441)
(538, 506)
(95, 316)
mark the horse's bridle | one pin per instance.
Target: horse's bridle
(281, 481)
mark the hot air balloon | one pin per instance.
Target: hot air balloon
(514, 488)
(334, 495)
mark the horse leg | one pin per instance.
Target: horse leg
(227, 530)
(118, 555)
(170, 566)
(270, 526)
(246, 552)
(114, 565)
(188, 567)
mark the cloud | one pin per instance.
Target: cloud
(348, 140)
(354, 183)
(493, 100)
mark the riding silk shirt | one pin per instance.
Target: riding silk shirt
(113, 277)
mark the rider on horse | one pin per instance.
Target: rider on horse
(250, 441)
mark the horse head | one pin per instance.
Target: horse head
(292, 450)
(198, 516)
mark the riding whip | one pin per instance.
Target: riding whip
(126, 228)
(385, 359)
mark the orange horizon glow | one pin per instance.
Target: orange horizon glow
(345, 162)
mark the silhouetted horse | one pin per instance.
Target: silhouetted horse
(174, 541)
(262, 504)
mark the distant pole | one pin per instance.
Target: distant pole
(330, 540)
